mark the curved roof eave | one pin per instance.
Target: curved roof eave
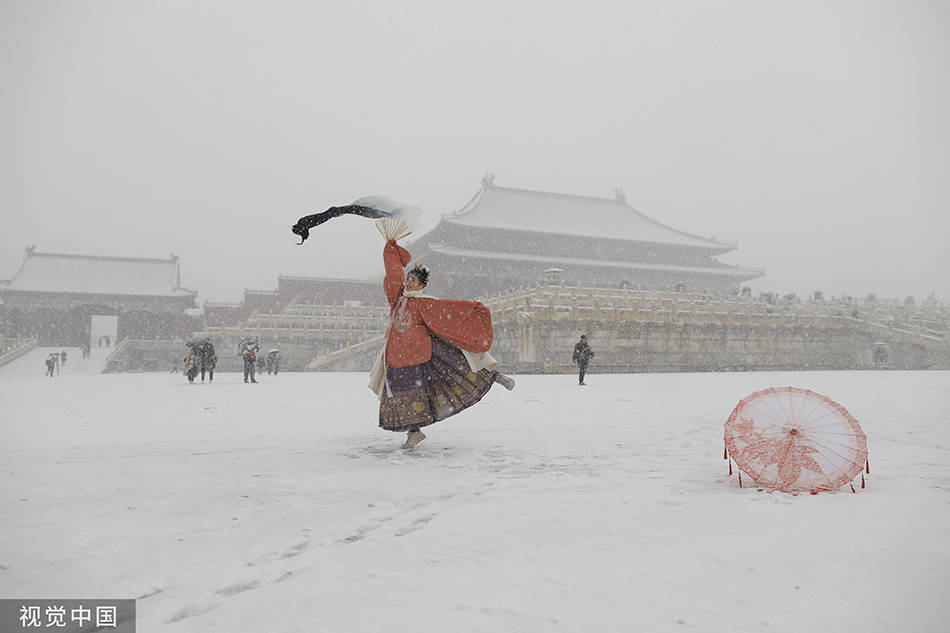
(715, 248)
(730, 271)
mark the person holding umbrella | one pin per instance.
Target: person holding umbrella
(273, 361)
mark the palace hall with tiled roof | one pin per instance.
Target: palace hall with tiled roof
(506, 238)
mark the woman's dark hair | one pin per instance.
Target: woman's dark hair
(421, 273)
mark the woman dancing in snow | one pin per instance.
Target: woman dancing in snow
(435, 362)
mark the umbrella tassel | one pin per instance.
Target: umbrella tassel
(730, 466)
(853, 491)
(725, 452)
(867, 466)
(740, 479)
(862, 482)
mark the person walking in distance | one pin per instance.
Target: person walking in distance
(273, 361)
(191, 364)
(248, 352)
(208, 359)
(582, 356)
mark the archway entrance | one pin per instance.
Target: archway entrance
(103, 330)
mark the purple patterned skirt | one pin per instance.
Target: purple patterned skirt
(438, 388)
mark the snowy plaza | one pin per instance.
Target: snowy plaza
(281, 507)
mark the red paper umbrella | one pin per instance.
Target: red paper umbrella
(795, 440)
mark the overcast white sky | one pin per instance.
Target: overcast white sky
(813, 133)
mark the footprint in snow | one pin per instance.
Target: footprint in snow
(191, 611)
(238, 587)
(151, 592)
(296, 550)
(418, 524)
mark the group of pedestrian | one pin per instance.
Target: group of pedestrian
(201, 359)
(54, 361)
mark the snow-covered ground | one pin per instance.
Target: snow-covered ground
(281, 507)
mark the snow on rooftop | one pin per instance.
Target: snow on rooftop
(524, 210)
(84, 274)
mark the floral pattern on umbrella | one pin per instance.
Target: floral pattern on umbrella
(794, 440)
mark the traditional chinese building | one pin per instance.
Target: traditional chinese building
(73, 299)
(507, 238)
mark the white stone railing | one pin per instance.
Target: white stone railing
(560, 302)
(374, 343)
(18, 350)
(114, 359)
